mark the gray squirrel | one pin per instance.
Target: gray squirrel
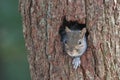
(75, 44)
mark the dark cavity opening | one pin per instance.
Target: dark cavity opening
(72, 25)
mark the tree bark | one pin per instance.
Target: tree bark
(41, 22)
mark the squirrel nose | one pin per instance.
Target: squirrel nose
(74, 51)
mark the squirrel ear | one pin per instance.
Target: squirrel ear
(83, 31)
(67, 29)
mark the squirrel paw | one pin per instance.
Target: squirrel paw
(76, 62)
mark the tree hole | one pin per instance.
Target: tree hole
(72, 25)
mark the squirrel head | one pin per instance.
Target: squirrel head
(75, 43)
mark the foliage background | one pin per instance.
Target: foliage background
(13, 56)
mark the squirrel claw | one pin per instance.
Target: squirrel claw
(76, 62)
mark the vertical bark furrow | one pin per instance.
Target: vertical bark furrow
(111, 39)
(95, 19)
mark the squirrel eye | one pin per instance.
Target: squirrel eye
(79, 42)
(65, 41)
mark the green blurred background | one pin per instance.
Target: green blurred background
(13, 56)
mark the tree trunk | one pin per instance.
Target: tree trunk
(41, 22)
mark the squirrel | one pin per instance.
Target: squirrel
(75, 44)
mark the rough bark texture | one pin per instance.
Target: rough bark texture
(41, 23)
